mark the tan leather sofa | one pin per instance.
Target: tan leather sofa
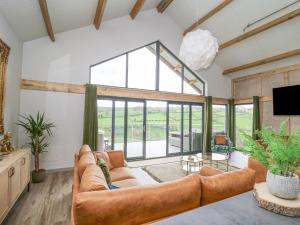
(94, 204)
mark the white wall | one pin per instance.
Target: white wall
(12, 99)
(68, 60)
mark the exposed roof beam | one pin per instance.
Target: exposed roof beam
(99, 13)
(207, 16)
(45, 13)
(136, 8)
(163, 5)
(262, 28)
(263, 61)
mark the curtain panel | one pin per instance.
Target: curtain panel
(256, 117)
(90, 127)
(208, 126)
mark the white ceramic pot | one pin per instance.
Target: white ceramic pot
(283, 187)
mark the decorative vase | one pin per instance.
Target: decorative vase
(283, 187)
(38, 176)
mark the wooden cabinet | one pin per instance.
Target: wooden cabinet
(14, 177)
(14, 181)
(25, 167)
(4, 195)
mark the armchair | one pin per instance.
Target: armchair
(221, 143)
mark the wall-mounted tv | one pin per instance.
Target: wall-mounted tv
(286, 100)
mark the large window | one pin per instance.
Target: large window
(219, 118)
(152, 67)
(243, 118)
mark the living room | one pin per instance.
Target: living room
(158, 111)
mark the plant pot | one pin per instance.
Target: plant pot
(283, 187)
(38, 176)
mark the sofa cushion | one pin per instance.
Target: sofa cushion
(93, 179)
(209, 171)
(121, 173)
(220, 139)
(226, 185)
(103, 155)
(259, 168)
(137, 205)
(85, 160)
(127, 183)
(84, 149)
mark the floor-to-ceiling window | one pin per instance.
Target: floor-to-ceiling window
(148, 128)
(243, 121)
(219, 118)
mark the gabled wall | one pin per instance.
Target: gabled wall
(68, 60)
(12, 99)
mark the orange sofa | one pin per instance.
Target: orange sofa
(94, 204)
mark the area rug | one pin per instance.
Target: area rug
(173, 170)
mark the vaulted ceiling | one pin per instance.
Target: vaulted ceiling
(228, 22)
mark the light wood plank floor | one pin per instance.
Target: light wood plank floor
(47, 203)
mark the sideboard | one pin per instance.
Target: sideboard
(14, 178)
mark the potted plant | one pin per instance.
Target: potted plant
(37, 130)
(279, 152)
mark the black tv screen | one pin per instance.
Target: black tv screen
(285, 100)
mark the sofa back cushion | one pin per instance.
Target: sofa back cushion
(84, 149)
(259, 168)
(93, 179)
(209, 171)
(137, 205)
(226, 185)
(85, 160)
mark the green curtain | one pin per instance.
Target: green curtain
(90, 127)
(231, 120)
(208, 126)
(256, 117)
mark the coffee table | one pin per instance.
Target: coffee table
(215, 158)
(192, 164)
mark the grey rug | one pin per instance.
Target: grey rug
(172, 171)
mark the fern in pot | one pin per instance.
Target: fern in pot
(37, 130)
(279, 152)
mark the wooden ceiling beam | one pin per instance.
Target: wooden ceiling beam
(99, 13)
(136, 8)
(163, 5)
(47, 20)
(263, 61)
(262, 28)
(207, 16)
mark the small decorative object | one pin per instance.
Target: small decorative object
(198, 49)
(280, 153)
(6, 144)
(37, 130)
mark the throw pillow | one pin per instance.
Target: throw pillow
(105, 170)
(103, 155)
(220, 140)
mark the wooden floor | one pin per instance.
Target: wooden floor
(47, 203)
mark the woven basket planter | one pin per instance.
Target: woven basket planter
(283, 187)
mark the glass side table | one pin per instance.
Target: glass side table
(191, 164)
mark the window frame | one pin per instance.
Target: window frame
(158, 45)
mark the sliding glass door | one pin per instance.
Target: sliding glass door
(135, 130)
(149, 129)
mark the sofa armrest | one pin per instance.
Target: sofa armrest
(137, 205)
(226, 185)
(116, 158)
(209, 171)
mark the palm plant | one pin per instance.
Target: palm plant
(36, 129)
